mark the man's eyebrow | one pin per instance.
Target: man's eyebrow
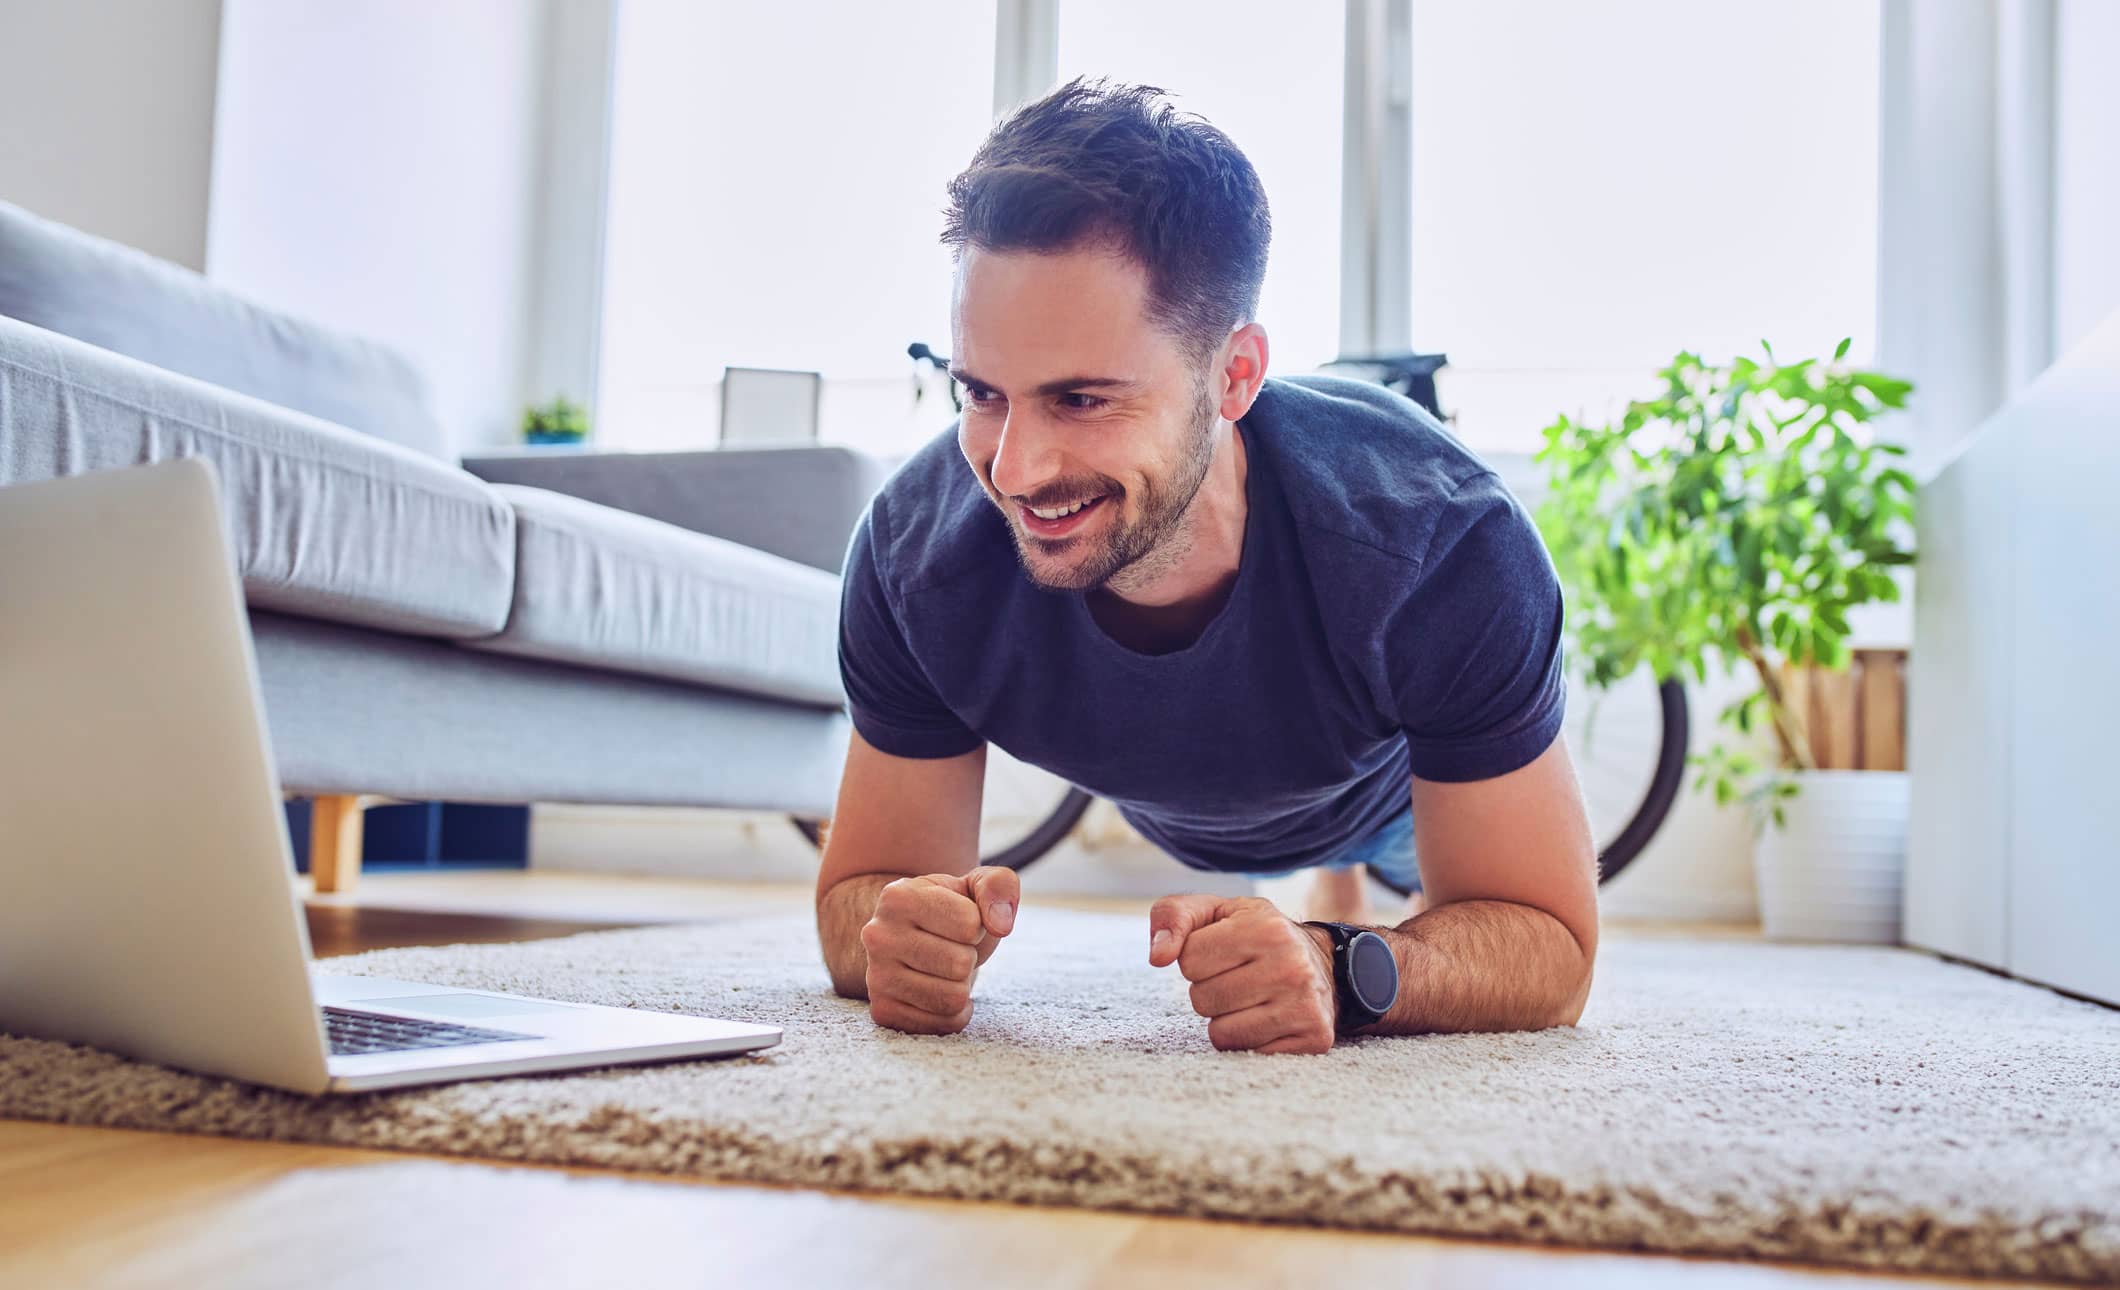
(1065, 386)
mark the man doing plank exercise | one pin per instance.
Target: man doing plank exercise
(1275, 621)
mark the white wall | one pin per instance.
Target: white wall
(2086, 168)
(106, 117)
(376, 168)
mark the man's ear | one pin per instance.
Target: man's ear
(1243, 370)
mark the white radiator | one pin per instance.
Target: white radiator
(2013, 691)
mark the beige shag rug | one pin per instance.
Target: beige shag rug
(1861, 1106)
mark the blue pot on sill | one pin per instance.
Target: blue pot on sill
(552, 439)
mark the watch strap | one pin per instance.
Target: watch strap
(1353, 1013)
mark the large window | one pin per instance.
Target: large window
(777, 176)
(1269, 75)
(1594, 187)
(1598, 186)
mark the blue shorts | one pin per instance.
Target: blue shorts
(1388, 852)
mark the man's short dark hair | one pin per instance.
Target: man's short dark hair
(1119, 164)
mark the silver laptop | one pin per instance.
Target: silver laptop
(147, 897)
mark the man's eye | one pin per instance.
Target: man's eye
(1082, 402)
(973, 394)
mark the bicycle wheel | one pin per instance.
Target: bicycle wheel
(1628, 743)
(1630, 754)
(1024, 812)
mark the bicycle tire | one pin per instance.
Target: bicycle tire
(1017, 855)
(1663, 787)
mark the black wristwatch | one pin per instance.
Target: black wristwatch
(1365, 974)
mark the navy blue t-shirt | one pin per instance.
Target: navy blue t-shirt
(1394, 613)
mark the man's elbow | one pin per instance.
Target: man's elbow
(1571, 1010)
(1581, 926)
(849, 971)
(848, 968)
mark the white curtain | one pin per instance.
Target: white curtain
(1999, 188)
(1965, 208)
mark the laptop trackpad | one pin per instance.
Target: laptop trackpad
(461, 1005)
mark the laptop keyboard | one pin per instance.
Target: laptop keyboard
(353, 1032)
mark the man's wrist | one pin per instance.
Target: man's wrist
(1407, 953)
(1323, 959)
(1321, 940)
(1402, 948)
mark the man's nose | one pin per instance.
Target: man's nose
(1027, 456)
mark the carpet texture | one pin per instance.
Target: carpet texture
(1862, 1106)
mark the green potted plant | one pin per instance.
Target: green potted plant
(1733, 519)
(561, 421)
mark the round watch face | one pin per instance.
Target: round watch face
(1373, 970)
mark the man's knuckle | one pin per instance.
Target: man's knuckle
(943, 912)
(897, 1013)
(944, 997)
(956, 916)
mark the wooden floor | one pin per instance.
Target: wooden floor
(83, 1207)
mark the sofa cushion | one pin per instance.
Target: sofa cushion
(610, 589)
(325, 522)
(741, 494)
(122, 299)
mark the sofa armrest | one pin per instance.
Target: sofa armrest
(799, 503)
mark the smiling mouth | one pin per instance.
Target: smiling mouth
(1062, 526)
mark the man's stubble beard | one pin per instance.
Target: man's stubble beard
(1135, 555)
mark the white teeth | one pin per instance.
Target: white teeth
(1062, 512)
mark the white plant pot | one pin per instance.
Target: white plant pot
(1834, 871)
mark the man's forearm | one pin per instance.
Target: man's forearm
(1485, 965)
(841, 914)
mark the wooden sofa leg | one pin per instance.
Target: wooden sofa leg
(335, 842)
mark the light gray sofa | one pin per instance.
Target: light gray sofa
(424, 633)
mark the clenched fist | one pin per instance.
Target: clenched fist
(1262, 980)
(926, 941)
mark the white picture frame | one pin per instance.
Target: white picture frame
(764, 407)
